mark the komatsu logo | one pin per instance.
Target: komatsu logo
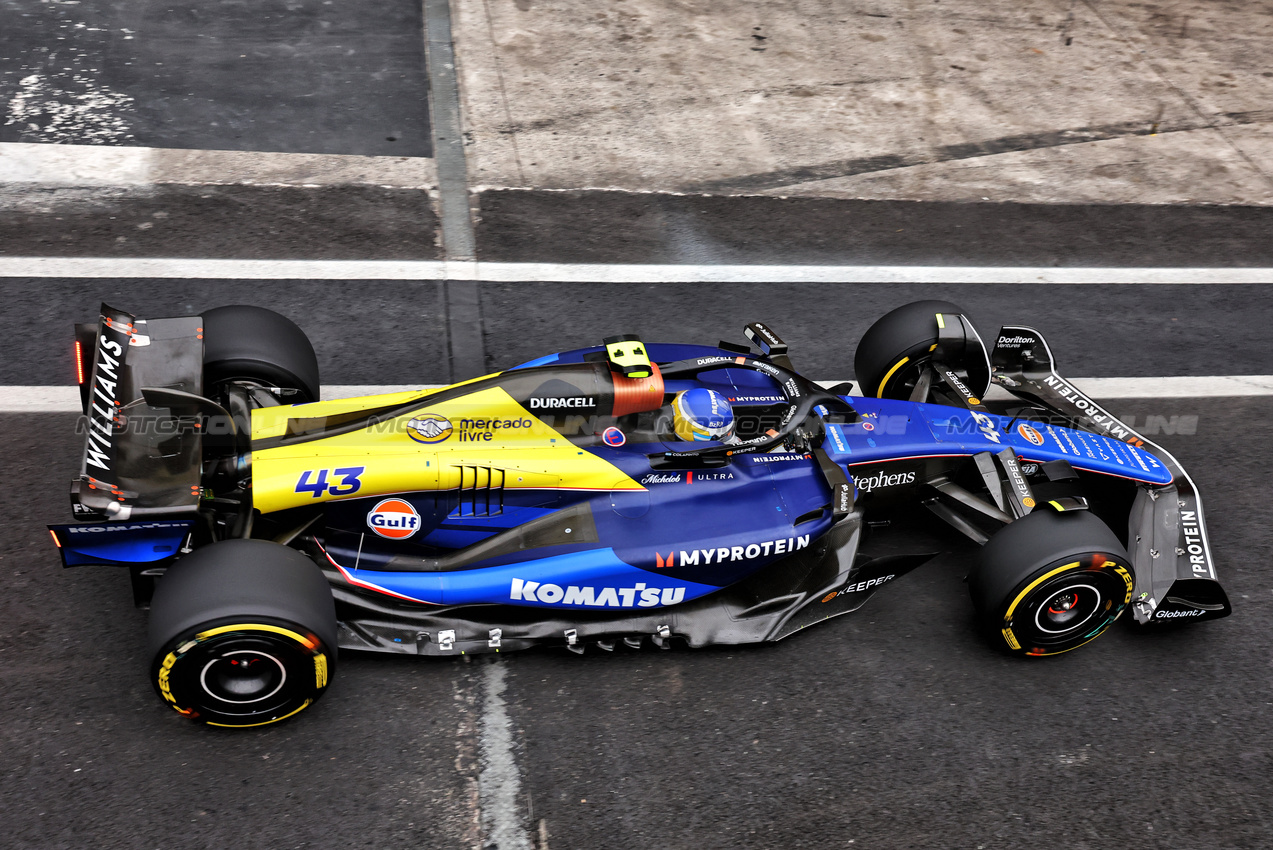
(640, 595)
(132, 526)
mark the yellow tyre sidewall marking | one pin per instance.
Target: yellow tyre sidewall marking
(1007, 618)
(258, 627)
(303, 706)
(889, 374)
(165, 669)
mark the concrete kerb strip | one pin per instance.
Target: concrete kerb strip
(463, 300)
(25, 399)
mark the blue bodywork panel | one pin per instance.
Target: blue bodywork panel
(120, 542)
(894, 430)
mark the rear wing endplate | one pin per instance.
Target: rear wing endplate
(139, 460)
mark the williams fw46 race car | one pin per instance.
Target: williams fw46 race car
(621, 493)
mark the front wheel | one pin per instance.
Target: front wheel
(242, 633)
(1050, 582)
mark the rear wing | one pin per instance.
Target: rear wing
(139, 460)
(1167, 538)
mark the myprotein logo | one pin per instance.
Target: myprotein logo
(867, 483)
(640, 595)
(395, 519)
(726, 554)
(1191, 529)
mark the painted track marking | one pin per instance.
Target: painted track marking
(419, 270)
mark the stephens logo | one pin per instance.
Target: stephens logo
(882, 479)
(1030, 434)
(429, 428)
(395, 519)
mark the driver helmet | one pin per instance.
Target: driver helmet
(702, 414)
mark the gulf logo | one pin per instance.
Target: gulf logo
(394, 518)
(429, 428)
(1030, 434)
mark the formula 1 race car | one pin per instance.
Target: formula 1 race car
(625, 492)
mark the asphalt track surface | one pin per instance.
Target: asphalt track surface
(395, 332)
(272, 75)
(892, 727)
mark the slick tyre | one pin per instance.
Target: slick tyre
(242, 633)
(257, 345)
(1050, 582)
(894, 351)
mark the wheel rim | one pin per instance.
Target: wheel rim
(1067, 605)
(1069, 608)
(242, 674)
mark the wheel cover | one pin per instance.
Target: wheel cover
(242, 674)
(1068, 605)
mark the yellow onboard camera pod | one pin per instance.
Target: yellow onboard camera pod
(627, 353)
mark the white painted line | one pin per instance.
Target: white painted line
(159, 267)
(90, 166)
(21, 399)
(499, 783)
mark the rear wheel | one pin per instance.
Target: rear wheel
(256, 345)
(894, 352)
(1051, 582)
(242, 633)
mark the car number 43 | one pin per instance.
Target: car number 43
(345, 481)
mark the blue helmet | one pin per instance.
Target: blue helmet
(702, 414)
